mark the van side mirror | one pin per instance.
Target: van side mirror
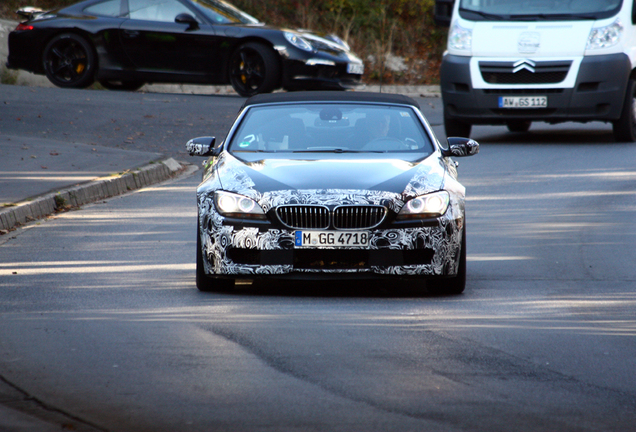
(459, 147)
(443, 12)
(203, 146)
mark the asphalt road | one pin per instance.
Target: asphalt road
(103, 328)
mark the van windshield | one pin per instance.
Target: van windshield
(538, 10)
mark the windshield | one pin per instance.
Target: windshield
(221, 12)
(331, 128)
(546, 10)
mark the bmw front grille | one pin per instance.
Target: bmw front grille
(347, 217)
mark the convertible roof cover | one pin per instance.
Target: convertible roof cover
(330, 96)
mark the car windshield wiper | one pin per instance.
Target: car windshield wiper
(559, 16)
(335, 150)
(485, 14)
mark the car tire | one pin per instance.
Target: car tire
(70, 61)
(625, 127)
(456, 128)
(519, 125)
(126, 85)
(455, 285)
(254, 69)
(204, 282)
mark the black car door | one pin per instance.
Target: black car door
(156, 43)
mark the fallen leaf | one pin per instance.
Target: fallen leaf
(54, 153)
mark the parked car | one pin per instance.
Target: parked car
(514, 62)
(126, 43)
(331, 185)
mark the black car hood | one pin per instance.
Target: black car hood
(372, 174)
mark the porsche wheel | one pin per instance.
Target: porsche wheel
(625, 127)
(254, 69)
(69, 61)
(123, 85)
(204, 282)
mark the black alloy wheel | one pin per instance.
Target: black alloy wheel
(69, 61)
(254, 69)
(625, 127)
(123, 85)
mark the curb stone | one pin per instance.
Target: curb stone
(95, 190)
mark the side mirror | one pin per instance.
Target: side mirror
(202, 146)
(184, 18)
(443, 12)
(459, 147)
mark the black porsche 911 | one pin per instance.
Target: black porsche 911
(124, 44)
(331, 185)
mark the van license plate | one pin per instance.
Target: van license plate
(318, 239)
(523, 101)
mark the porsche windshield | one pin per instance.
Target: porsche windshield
(538, 10)
(221, 12)
(331, 128)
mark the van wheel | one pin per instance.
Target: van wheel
(625, 127)
(456, 128)
(519, 125)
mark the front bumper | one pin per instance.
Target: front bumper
(596, 95)
(239, 250)
(301, 74)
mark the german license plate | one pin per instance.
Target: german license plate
(355, 68)
(523, 101)
(331, 239)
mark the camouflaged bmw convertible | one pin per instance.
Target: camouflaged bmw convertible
(331, 185)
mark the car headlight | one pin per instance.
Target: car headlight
(235, 205)
(605, 37)
(339, 41)
(298, 41)
(460, 38)
(425, 206)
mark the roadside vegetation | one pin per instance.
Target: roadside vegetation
(397, 39)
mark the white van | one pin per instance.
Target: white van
(513, 62)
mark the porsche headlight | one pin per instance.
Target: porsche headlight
(605, 37)
(235, 205)
(425, 206)
(298, 41)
